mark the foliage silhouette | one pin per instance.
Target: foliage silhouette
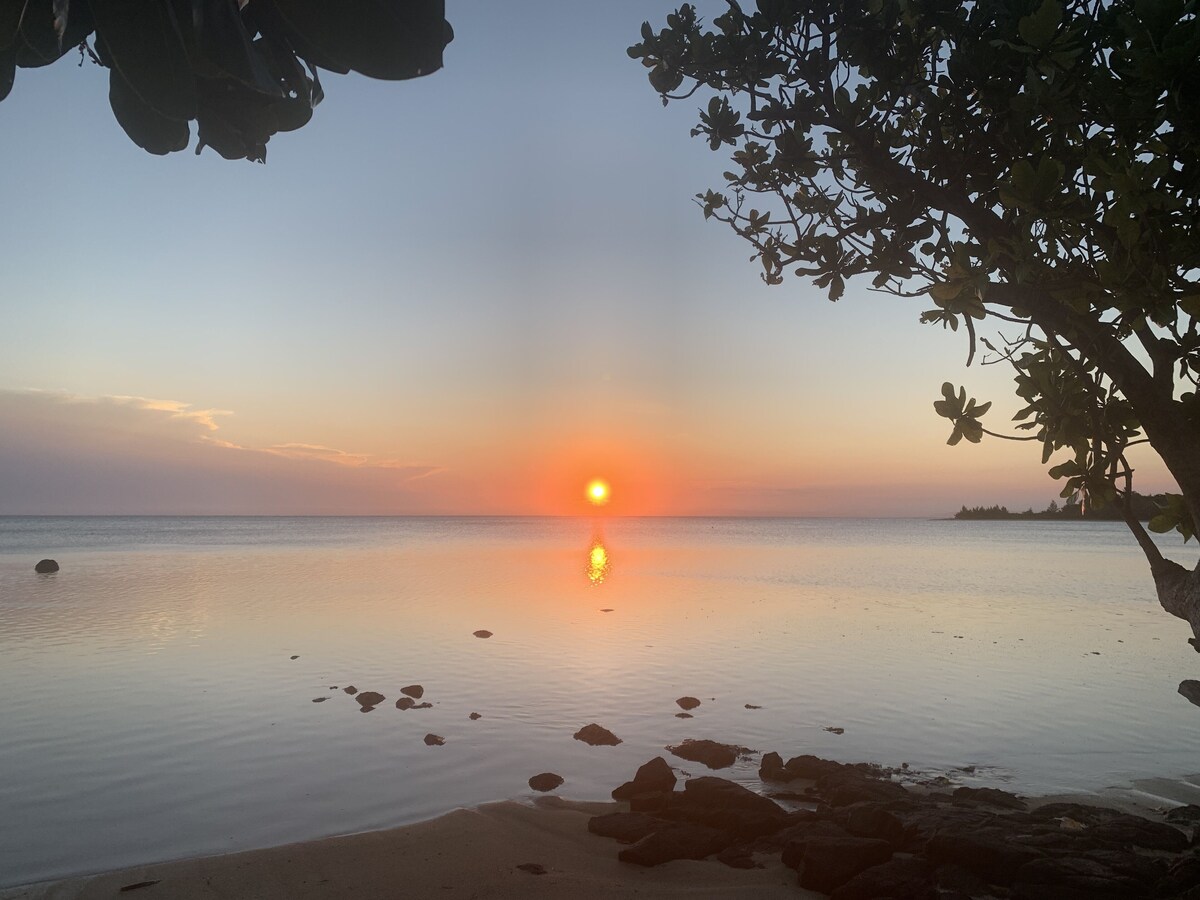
(242, 70)
(1032, 164)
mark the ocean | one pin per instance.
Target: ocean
(158, 691)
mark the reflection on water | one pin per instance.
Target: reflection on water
(165, 678)
(599, 563)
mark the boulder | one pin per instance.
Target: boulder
(1184, 815)
(482, 633)
(596, 736)
(368, 700)
(872, 820)
(546, 781)
(988, 797)
(675, 840)
(1074, 878)
(720, 803)
(687, 703)
(1078, 812)
(988, 853)
(473, 716)
(434, 740)
(351, 690)
(653, 777)
(908, 878)
(710, 753)
(1135, 831)
(626, 827)
(413, 690)
(46, 566)
(829, 862)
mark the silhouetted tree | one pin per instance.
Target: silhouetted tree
(1032, 163)
(242, 69)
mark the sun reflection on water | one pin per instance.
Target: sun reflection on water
(598, 564)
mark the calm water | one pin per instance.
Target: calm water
(151, 708)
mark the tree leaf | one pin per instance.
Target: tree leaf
(1038, 29)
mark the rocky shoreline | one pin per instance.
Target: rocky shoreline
(853, 832)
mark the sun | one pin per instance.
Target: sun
(598, 492)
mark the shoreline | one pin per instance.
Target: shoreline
(504, 849)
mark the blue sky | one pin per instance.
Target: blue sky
(463, 293)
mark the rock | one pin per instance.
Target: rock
(1182, 875)
(834, 730)
(1074, 878)
(675, 840)
(752, 706)
(1184, 815)
(987, 852)
(872, 820)
(854, 786)
(684, 716)
(626, 827)
(413, 690)
(295, 657)
(1191, 690)
(482, 633)
(434, 740)
(719, 803)
(532, 868)
(46, 566)
(771, 768)
(405, 703)
(687, 703)
(319, 699)
(989, 797)
(473, 716)
(1138, 832)
(898, 879)
(1079, 812)
(596, 736)
(829, 862)
(712, 754)
(606, 610)
(137, 886)
(738, 858)
(655, 776)
(794, 839)
(546, 781)
(368, 700)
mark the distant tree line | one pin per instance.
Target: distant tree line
(1144, 507)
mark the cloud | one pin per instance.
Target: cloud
(67, 453)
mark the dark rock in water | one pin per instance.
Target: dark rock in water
(684, 716)
(606, 610)
(752, 706)
(898, 878)
(482, 633)
(675, 841)
(350, 690)
(1183, 815)
(723, 804)
(413, 690)
(319, 699)
(686, 703)
(546, 781)
(138, 885)
(834, 730)
(434, 740)
(855, 786)
(712, 754)
(989, 797)
(473, 716)
(532, 868)
(333, 687)
(368, 700)
(808, 767)
(596, 736)
(295, 657)
(46, 566)
(829, 862)
(1191, 690)
(654, 776)
(405, 703)
(425, 705)
(626, 827)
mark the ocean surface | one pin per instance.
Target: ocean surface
(158, 692)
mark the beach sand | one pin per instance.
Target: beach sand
(464, 854)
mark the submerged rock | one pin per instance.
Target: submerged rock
(368, 700)
(46, 566)
(546, 781)
(434, 740)
(413, 690)
(712, 754)
(596, 736)
(482, 633)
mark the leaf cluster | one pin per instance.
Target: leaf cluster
(243, 70)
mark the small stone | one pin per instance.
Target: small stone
(46, 566)
(546, 781)
(482, 633)
(835, 730)
(474, 716)
(434, 740)
(295, 657)
(687, 703)
(319, 699)
(351, 690)
(684, 716)
(413, 690)
(368, 700)
(596, 736)
(606, 610)
(532, 868)
(752, 706)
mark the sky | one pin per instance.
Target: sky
(469, 293)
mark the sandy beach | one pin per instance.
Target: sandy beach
(465, 854)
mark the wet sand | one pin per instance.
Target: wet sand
(466, 853)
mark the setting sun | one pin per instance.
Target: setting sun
(597, 492)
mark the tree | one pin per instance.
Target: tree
(235, 66)
(1028, 164)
